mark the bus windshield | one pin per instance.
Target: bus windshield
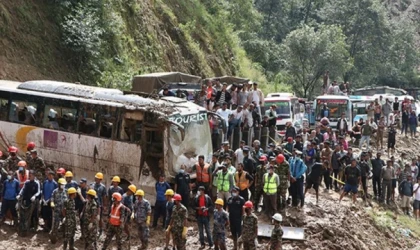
(336, 107)
(283, 108)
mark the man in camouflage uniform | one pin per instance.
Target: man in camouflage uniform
(88, 219)
(30, 146)
(276, 234)
(128, 201)
(258, 180)
(249, 228)
(13, 159)
(178, 223)
(70, 214)
(283, 171)
(141, 214)
(37, 164)
(221, 221)
(101, 196)
(58, 198)
(116, 221)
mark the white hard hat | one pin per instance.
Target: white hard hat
(278, 217)
(52, 113)
(31, 110)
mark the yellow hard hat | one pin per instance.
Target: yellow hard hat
(71, 191)
(68, 174)
(132, 188)
(169, 192)
(139, 192)
(62, 181)
(116, 179)
(219, 202)
(99, 176)
(91, 192)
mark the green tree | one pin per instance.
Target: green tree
(308, 53)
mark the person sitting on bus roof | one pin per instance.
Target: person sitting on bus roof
(223, 95)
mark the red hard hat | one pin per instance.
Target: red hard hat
(263, 158)
(280, 158)
(289, 139)
(13, 149)
(31, 145)
(61, 171)
(177, 197)
(248, 204)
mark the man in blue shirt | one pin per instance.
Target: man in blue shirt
(10, 191)
(297, 169)
(160, 205)
(47, 189)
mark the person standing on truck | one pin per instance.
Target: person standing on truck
(101, 196)
(223, 96)
(160, 205)
(203, 174)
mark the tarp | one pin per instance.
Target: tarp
(289, 233)
(230, 79)
(155, 81)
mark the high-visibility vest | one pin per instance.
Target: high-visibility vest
(115, 216)
(223, 181)
(241, 182)
(22, 179)
(203, 173)
(270, 185)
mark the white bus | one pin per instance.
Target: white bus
(88, 129)
(337, 104)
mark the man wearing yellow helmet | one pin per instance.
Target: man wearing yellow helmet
(128, 201)
(169, 207)
(101, 196)
(70, 182)
(220, 222)
(142, 212)
(115, 188)
(89, 220)
(57, 200)
(69, 213)
(160, 205)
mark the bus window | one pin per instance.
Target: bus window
(23, 112)
(87, 119)
(131, 130)
(59, 118)
(4, 106)
(107, 120)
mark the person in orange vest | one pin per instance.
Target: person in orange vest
(22, 174)
(202, 170)
(243, 180)
(116, 222)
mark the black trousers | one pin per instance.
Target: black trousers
(245, 194)
(364, 186)
(9, 205)
(297, 192)
(377, 188)
(46, 213)
(159, 211)
(327, 179)
(236, 227)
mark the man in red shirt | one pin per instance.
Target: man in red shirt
(203, 205)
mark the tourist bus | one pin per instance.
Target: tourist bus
(337, 104)
(89, 129)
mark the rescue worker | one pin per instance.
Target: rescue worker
(58, 198)
(249, 227)
(13, 159)
(178, 225)
(22, 173)
(258, 180)
(89, 221)
(284, 176)
(224, 182)
(69, 214)
(60, 173)
(220, 222)
(203, 205)
(141, 214)
(70, 183)
(116, 221)
(30, 146)
(81, 195)
(47, 190)
(297, 170)
(37, 164)
(101, 196)
(128, 201)
(115, 188)
(160, 206)
(243, 180)
(10, 192)
(182, 185)
(169, 208)
(234, 208)
(270, 184)
(276, 233)
(28, 213)
(203, 174)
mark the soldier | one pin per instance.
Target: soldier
(169, 208)
(60, 173)
(81, 195)
(221, 221)
(70, 183)
(142, 212)
(88, 220)
(30, 146)
(69, 213)
(115, 188)
(249, 227)
(178, 224)
(128, 201)
(58, 198)
(101, 196)
(277, 233)
(37, 164)
(258, 180)
(13, 159)
(284, 175)
(116, 221)
(28, 217)
(234, 206)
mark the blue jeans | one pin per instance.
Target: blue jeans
(404, 128)
(204, 221)
(233, 124)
